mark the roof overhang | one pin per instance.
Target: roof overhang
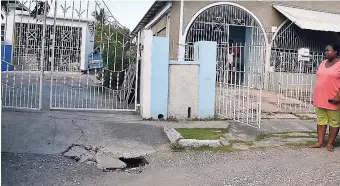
(311, 19)
(150, 14)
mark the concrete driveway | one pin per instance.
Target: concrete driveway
(53, 132)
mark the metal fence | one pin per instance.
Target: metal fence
(293, 81)
(239, 83)
(51, 48)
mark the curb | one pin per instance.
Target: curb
(176, 138)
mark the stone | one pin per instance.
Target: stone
(240, 146)
(172, 134)
(190, 143)
(90, 162)
(79, 153)
(224, 141)
(106, 161)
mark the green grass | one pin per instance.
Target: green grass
(202, 133)
(214, 149)
(283, 135)
(248, 143)
(300, 144)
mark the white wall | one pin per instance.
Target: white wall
(10, 21)
(145, 81)
(183, 90)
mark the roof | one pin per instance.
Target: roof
(311, 19)
(150, 14)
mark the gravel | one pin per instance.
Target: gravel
(282, 166)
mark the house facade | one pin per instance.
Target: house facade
(21, 37)
(281, 27)
(274, 46)
(174, 19)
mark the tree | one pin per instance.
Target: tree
(39, 8)
(100, 16)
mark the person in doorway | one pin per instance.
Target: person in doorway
(327, 97)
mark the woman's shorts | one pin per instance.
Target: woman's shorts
(326, 116)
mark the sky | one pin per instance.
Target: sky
(127, 12)
(119, 9)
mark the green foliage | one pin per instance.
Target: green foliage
(115, 44)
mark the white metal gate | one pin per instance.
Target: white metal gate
(291, 78)
(240, 60)
(86, 60)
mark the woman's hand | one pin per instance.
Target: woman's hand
(337, 98)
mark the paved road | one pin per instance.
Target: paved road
(53, 132)
(270, 167)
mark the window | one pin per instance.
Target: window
(3, 32)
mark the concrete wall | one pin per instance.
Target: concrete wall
(192, 84)
(183, 90)
(170, 88)
(174, 28)
(281, 81)
(160, 25)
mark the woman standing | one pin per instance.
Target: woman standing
(327, 97)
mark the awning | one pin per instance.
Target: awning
(310, 19)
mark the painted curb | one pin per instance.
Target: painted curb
(190, 143)
(176, 137)
(172, 135)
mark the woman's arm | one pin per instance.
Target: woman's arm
(337, 96)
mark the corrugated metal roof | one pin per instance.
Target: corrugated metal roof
(311, 19)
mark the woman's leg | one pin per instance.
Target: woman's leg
(322, 119)
(333, 133)
(321, 130)
(334, 123)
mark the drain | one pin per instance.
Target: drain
(134, 162)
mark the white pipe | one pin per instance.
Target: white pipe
(180, 32)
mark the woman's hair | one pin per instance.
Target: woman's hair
(336, 48)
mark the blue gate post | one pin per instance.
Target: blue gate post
(207, 52)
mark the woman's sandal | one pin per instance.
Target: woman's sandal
(330, 148)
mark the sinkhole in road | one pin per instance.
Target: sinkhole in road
(134, 162)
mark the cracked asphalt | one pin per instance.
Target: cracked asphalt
(53, 132)
(32, 143)
(264, 167)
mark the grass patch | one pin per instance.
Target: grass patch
(202, 133)
(312, 142)
(248, 143)
(227, 148)
(284, 135)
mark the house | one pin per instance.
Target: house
(283, 26)
(271, 45)
(72, 39)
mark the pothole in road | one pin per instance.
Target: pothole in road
(134, 162)
(104, 160)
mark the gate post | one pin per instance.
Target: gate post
(207, 52)
(267, 66)
(154, 76)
